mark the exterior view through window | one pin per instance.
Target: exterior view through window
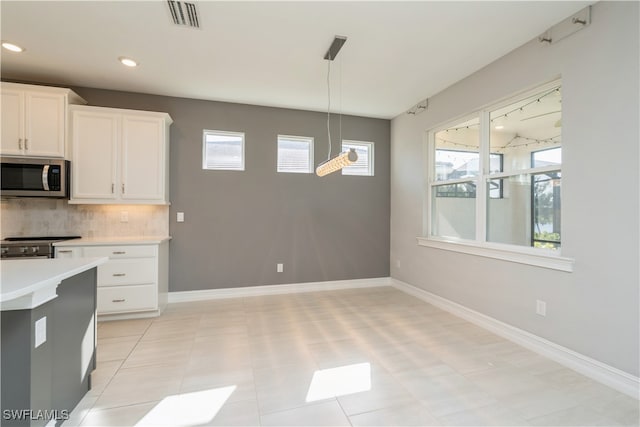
(295, 154)
(364, 165)
(222, 150)
(500, 183)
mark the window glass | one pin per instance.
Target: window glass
(548, 157)
(516, 176)
(364, 165)
(457, 151)
(463, 189)
(295, 154)
(454, 216)
(529, 212)
(546, 210)
(223, 150)
(531, 124)
(509, 218)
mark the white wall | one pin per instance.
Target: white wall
(593, 310)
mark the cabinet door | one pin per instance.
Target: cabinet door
(94, 139)
(12, 122)
(143, 158)
(44, 124)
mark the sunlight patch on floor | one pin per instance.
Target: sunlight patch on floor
(349, 379)
(188, 409)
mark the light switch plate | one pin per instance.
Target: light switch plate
(41, 331)
(279, 268)
(180, 217)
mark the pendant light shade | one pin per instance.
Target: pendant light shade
(341, 160)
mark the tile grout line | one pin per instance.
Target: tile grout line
(253, 369)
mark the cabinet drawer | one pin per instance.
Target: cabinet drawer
(117, 299)
(127, 272)
(67, 252)
(115, 252)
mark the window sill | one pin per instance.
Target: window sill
(528, 256)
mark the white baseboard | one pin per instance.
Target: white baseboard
(598, 371)
(252, 291)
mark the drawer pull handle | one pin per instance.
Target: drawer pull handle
(118, 300)
(68, 251)
(119, 274)
(119, 252)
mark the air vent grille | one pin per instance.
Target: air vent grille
(184, 14)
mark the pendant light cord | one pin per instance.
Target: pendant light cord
(340, 107)
(329, 106)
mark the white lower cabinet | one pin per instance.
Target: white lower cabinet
(124, 272)
(118, 299)
(133, 281)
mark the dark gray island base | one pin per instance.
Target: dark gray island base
(45, 383)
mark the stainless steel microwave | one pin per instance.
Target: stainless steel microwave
(30, 177)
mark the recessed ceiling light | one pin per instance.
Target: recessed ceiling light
(12, 47)
(499, 127)
(128, 61)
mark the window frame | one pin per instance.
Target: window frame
(308, 139)
(206, 132)
(500, 188)
(479, 246)
(370, 157)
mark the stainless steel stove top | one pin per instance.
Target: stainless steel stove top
(30, 246)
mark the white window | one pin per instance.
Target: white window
(295, 154)
(495, 180)
(222, 150)
(364, 164)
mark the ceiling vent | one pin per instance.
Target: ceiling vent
(184, 14)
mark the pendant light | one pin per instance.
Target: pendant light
(348, 157)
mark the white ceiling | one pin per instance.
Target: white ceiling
(271, 53)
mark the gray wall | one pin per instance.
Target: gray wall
(238, 225)
(593, 310)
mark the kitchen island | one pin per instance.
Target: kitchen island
(48, 337)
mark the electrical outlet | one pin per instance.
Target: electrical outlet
(541, 308)
(398, 263)
(180, 217)
(279, 268)
(41, 331)
(124, 216)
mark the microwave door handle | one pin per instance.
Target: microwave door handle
(45, 177)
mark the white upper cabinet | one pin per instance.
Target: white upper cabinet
(143, 158)
(12, 122)
(34, 119)
(119, 156)
(94, 149)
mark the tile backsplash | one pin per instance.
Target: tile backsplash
(51, 217)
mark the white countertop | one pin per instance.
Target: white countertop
(28, 283)
(98, 241)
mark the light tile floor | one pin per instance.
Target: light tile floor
(272, 361)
